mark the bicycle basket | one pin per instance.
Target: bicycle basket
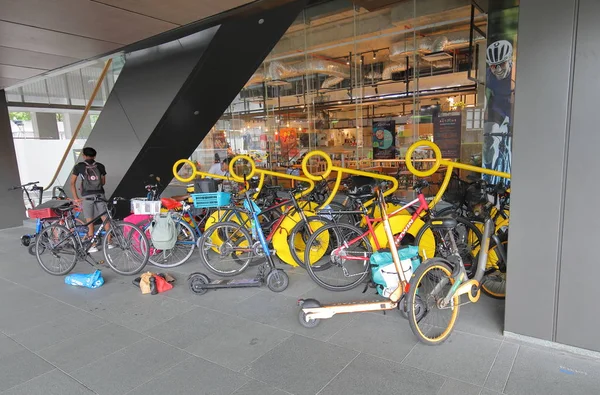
(48, 209)
(456, 190)
(209, 200)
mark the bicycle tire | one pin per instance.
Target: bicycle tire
(234, 241)
(338, 231)
(127, 236)
(299, 236)
(419, 299)
(61, 238)
(186, 242)
(494, 281)
(468, 249)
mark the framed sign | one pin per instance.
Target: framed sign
(447, 128)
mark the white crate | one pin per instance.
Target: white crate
(145, 207)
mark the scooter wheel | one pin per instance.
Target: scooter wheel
(26, 240)
(420, 308)
(196, 282)
(307, 322)
(31, 249)
(402, 307)
(277, 280)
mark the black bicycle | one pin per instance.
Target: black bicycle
(125, 246)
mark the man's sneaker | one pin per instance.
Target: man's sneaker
(111, 246)
(93, 248)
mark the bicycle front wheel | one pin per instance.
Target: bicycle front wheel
(345, 252)
(233, 252)
(300, 235)
(126, 248)
(55, 249)
(181, 251)
(430, 317)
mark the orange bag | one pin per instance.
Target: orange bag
(161, 284)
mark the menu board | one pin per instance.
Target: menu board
(446, 133)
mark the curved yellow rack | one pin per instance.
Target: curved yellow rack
(195, 172)
(439, 162)
(340, 172)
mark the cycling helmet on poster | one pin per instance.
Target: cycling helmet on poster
(499, 56)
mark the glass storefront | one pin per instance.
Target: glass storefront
(362, 82)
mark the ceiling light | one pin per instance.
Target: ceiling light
(374, 55)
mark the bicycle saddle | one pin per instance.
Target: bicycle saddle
(443, 223)
(170, 203)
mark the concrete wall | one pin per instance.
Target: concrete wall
(551, 278)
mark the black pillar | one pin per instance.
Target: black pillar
(11, 202)
(167, 98)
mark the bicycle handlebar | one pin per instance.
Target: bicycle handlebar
(23, 186)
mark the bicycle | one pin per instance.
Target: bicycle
(28, 238)
(437, 284)
(57, 241)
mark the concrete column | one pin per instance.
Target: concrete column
(71, 120)
(44, 125)
(11, 202)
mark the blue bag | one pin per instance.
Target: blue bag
(92, 280)
(383, 270)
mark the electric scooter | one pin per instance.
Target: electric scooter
(276, 279)
(312, 311)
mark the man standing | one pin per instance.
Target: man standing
(93, 178)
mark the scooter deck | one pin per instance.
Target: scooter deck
(234, 283)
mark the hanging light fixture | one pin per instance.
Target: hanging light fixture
(374, 55)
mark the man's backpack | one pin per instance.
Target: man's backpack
(163, 232)
(92, 179)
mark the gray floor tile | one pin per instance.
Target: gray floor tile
(193, 376)
(8, 346)
(374, 334)
(300, 365)
(130, 367)
(186, 329)
(486, 391)
(455, 387)
(300, 284)
(52, 383)
(552, 373)
(18, 321)
(498, 375)
(371, 375)
(218, 299)
(463, 356)
(58, 330)
(486, 318)
(81, 350)
(19, 367)
(237, 346)
(254, 387)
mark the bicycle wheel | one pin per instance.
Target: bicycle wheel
(180, 253)
(232, 254)
(494, 281)
(128, 250)
(56, 250)
(299, 236)
(467, 237)
(431, 321)
(345, 251)
(351, 219)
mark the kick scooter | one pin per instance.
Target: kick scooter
(276, 279)
(312, 311)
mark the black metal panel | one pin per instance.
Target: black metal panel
(11, 202)
(237, 49)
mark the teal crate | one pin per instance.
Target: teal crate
(212, 199)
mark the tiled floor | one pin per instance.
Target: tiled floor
(58, 339)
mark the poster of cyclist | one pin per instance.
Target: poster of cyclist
(499, 90)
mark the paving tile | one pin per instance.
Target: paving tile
(498, 375)
(17, 321)
(52, 383)
(552, 373)
(193, 376)
(300, 365)
(254, 387)
(90, 346)
(235, 347)
(485, 318)
(455, 387)
(58, 330)
(371, 375)
(21, 299)
(130, 367)
(374, 334)
(186, 329)
(300, 284)
(282, 312)
(218, 299)
(8, 346)
(19, 367)
(486, 391)
(476, 355)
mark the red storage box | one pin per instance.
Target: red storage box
(42, 213)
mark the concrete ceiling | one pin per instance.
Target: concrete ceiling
(37, 36)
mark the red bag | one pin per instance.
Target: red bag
(161, 284)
